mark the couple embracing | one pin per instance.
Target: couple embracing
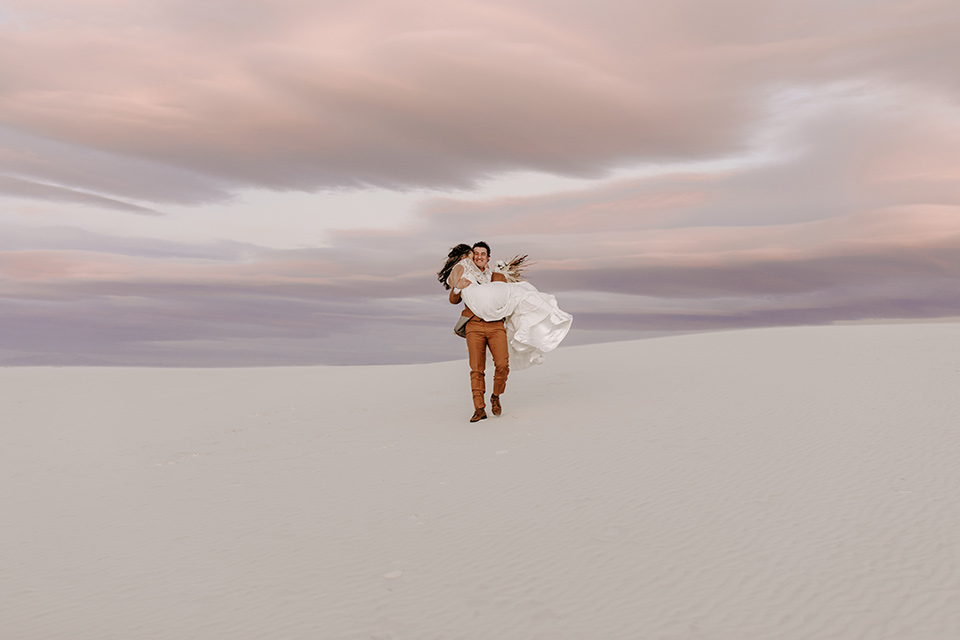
(511, 318)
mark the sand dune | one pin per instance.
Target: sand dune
(764, 484)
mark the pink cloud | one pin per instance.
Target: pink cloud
(307, 95)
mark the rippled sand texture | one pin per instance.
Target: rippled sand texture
(766, 484)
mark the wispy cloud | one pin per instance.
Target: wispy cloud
(19, 187)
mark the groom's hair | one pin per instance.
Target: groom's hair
(482, 244)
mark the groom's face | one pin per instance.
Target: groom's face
(480, 257)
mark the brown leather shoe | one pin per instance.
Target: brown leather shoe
(495, 405)
(478, 415)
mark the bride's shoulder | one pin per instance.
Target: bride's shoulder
(468, 267)
(461, 270)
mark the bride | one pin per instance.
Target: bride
(534, 323)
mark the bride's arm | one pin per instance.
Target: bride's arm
(457, 281)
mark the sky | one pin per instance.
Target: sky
(277, 182)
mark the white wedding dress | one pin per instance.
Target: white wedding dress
(535, 324)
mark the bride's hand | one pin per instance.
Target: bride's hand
(463, 284)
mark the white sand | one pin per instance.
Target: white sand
(768, 484)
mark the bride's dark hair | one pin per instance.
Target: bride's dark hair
(456, 254)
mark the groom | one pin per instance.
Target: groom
(482, 335)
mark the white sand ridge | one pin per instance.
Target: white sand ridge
(780, 483)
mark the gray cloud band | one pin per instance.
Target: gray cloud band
(126, 322)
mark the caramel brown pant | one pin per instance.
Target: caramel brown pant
(480, 335)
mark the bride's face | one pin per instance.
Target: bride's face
(480, 257)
